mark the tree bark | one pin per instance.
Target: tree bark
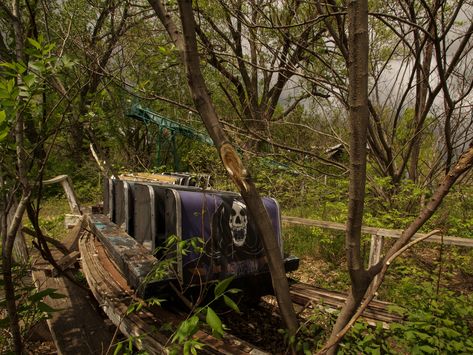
(187, 44)
(358, 117)
(9, 286)
(21, 160)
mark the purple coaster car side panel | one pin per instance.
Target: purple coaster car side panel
(232, 246)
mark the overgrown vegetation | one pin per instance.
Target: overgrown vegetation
(431, 286)
(32, 308)
(277, 76)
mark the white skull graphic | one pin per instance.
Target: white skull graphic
(238, 223)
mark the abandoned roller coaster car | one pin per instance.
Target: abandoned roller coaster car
(147, 210)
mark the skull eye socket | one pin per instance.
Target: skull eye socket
(243, 212)
(233, 212)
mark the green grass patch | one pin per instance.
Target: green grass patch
(51, 216)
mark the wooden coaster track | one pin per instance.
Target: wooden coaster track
(112, 292)
(115, 265)
(114, 296)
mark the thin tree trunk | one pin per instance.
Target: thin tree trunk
(9, 286)
(26, 192)
(20, 250)
(187, 44)
(358, 116)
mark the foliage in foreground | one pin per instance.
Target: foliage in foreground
(435, 324)
(31, 307)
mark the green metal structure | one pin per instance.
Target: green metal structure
(174, 128)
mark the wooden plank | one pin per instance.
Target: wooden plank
(376, 311)
(72, 237)
(66, 183)
(70, 220)
(76, 328)
(111, 290)
(149, 177)
(64, 263)
(382, 232)
(132, 258)
(376, 248)
(71, 195)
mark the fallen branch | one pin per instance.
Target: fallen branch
(61, 247)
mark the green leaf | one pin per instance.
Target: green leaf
(51, 292)
(29, 80)
(9, 66)
(222, 286)
(34, 43)
(154, 301)
(426, 349)
(130, 344)
(396, 310)
(186, 329)
(214, 322)
(57, 296)
(3, 133)
(131, 308)
(229, 302)
(181, 247)
(43, 307)
(118, 348)
(187, 348)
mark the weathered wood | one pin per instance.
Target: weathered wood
(70, 220)
(76, 327)
(149, 177)
(20, 250)
(105, 196)
(71, 195)
(119, 204)
(56, 243)
(382, 232)
(64, 263)
(377, 311)
(132, 258)
(123, 205)
(66, 183)
(72, 238)
(376, 247)
(143, 213)
(55, 180)
(111, 290)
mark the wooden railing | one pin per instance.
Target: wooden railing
(378, 235)
(380, 232)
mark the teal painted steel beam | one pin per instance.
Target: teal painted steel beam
(148, 116)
